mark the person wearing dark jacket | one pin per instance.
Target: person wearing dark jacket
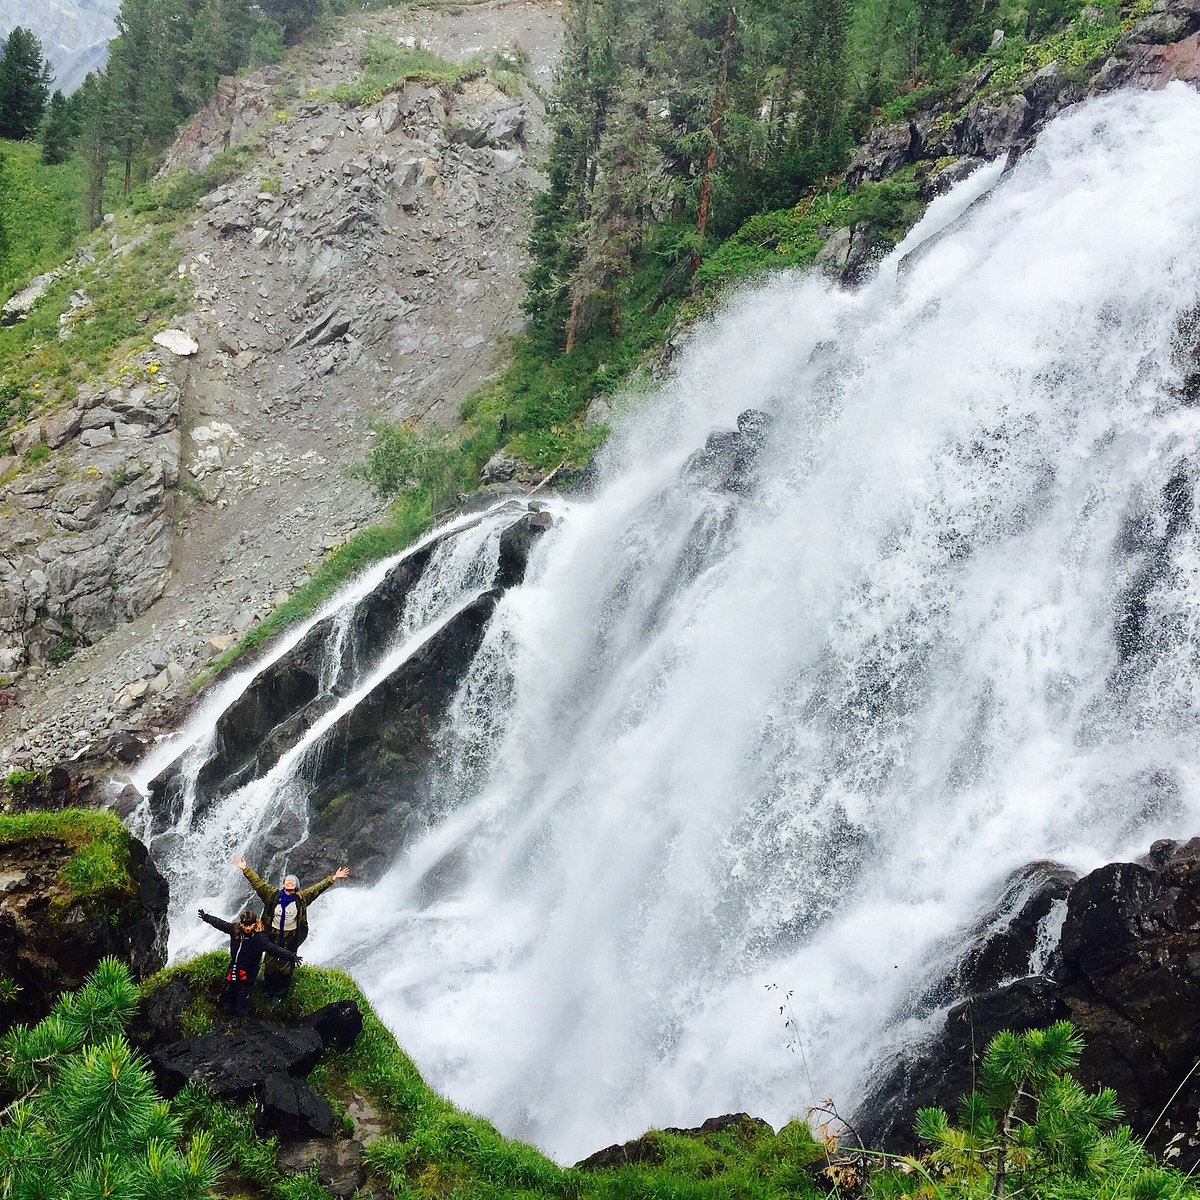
(248, 942)
(285, 915)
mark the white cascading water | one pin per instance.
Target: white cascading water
(801, 738)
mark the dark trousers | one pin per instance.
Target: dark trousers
(237, 998)
(277, 979)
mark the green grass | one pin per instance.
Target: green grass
(793, 237)
(40, 207)
(179, 191)
(129, 296)
(100, 863)
(387, 65)
(432, 1149)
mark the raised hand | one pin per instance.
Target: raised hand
(240, 863)
(341, 873)
(200, 912)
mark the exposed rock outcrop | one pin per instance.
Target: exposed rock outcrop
(52, 938)
(979, 125)
(368, 780)
(1126, 972)
(729, 459)
(87, 538)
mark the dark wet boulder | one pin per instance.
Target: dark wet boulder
(337, 1025)
(293, 1109)
(234, 1065)
(360, 810)
(516, 543)
(1127, 974)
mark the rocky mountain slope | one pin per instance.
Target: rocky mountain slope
(365, 265)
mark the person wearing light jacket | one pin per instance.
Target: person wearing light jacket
(285, 916)
(247, 944)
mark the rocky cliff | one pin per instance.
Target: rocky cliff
(363, 262)
(74, 888)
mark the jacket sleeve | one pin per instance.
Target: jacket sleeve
(309, 894)
(217, 923)
(265, 892)
(279, 951)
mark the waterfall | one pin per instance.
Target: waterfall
(725, 761)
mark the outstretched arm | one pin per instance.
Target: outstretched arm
(279, 951)
(216, 922)
(309, 894)
(261, 887)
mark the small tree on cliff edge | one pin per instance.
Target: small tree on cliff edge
(1032, 1130)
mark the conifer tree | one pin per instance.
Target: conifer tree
(25, 78)
(84, 1119)
(56, 131)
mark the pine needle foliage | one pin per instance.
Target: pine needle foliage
(83, 1119)
(1031, 1130)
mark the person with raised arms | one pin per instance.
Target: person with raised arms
(285, 916)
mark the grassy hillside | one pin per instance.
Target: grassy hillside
(40, 212)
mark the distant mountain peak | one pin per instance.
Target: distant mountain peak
(74, 33)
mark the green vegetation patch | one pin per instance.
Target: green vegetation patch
(388, 65)
(179, 191)
(39, 214)
(793, 237)
(122, 301)
(100, 864)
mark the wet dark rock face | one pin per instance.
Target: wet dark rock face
(369, 776)
(1126, 973)
(371, 780)
(729, 459)
(281, 703)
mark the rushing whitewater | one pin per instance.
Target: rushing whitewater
(801, 737)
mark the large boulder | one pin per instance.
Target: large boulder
(235, 1065)
(1126, 973)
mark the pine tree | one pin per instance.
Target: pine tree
(94, 142)
(86, 1120)
(25, 78)
(57, 131)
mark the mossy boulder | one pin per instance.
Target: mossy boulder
(75, 887)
